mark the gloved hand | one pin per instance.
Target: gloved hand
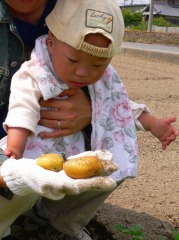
(24, 177)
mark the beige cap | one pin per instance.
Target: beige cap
(71, 20)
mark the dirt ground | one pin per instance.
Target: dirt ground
(152, 198)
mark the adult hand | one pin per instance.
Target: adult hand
(24, 176)
(73, 113)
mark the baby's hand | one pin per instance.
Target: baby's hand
(9, 152)
(163, 129)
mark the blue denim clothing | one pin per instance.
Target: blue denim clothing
(12, 53)
(11, 49)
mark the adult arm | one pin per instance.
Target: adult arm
(74, 114)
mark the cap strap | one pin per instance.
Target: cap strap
(96, 51)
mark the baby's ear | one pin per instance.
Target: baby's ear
(50, 40)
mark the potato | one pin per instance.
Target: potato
(83, 167)
(51, 161)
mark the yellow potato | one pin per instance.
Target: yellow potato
(83, 167)
(51, 161)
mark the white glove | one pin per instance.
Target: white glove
(24, 177)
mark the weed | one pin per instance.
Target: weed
(137, 233)
(175, 234)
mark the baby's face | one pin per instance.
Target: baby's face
(76, 68)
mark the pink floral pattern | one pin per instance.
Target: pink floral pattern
(121, 114)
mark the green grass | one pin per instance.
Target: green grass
(137, 232)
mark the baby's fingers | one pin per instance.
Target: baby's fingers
(167, 141)
(175, 131)
(170, 120)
